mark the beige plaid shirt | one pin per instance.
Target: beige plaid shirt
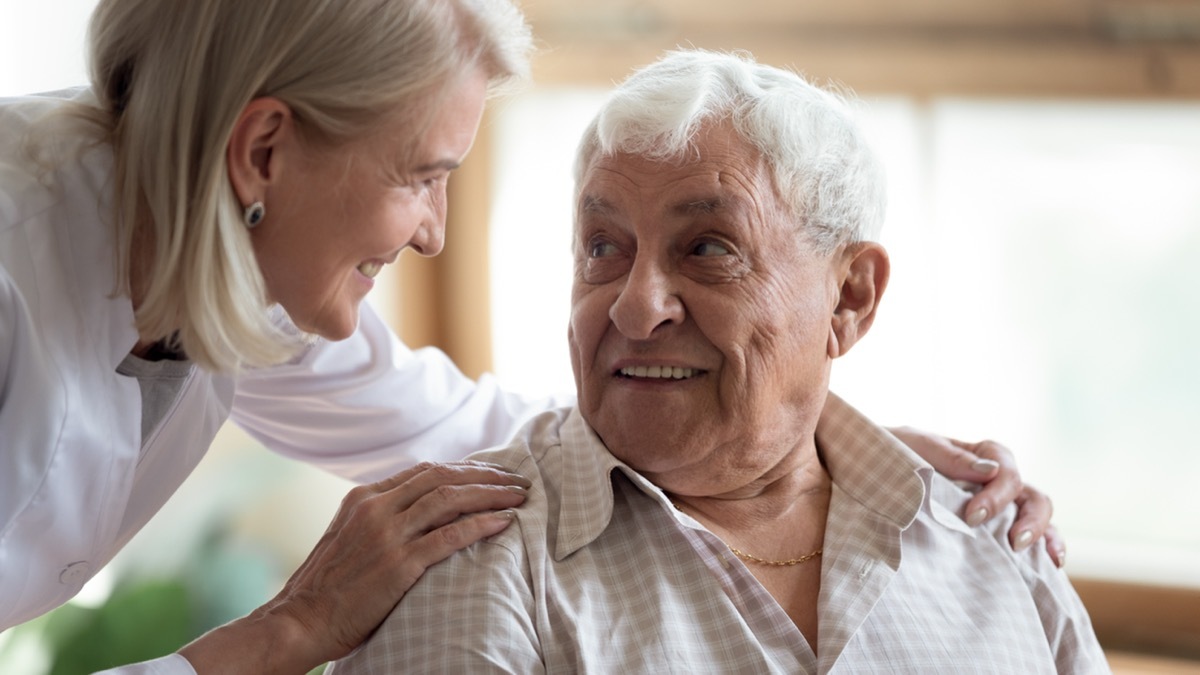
(601, 574)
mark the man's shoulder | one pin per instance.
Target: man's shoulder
(535, 452)
(536, 443)
(570, 500)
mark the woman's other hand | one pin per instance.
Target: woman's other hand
(382, 539)
(992, 465)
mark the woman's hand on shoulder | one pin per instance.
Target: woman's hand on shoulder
(382, 539)
(994, 467)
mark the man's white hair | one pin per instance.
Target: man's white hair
(820, 161)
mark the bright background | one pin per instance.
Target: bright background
(1044, 294)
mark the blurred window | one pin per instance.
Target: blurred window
(1044, 294)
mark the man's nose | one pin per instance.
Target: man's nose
(647, 301)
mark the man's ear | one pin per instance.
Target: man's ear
(251, 156)
(863, 270)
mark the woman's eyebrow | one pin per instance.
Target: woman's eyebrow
(441, 165)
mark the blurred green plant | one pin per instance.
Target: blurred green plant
(140, 621)
(148, 617)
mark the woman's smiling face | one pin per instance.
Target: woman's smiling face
(336, 216)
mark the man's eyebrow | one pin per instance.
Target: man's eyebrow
(596, 206)
(688, 207)
(692, 207)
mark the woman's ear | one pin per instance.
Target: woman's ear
(251, 157)
(864, 272)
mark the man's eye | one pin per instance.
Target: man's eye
(709, 248)
(601, 249)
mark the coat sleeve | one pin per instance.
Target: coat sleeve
(167, 665)
(368, 406)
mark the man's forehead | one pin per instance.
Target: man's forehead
(593, 204)
(701, 184)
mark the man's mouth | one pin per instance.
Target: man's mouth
(659, 372)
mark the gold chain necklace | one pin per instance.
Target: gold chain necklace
(761, 561)
(776, 563)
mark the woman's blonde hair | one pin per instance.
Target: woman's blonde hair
(173, 76)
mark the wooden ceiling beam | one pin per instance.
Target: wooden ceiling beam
(643, 14)
(914, 66)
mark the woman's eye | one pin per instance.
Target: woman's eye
(433, 181)
(601, 249)
(709, 248)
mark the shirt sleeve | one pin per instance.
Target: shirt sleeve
(1064, 618)
(368, 406)
(167, 665)
(472, 613)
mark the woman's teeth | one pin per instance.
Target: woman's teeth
(662, 372)
(370, 269)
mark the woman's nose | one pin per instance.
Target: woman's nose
(646, 302)
(430, 236)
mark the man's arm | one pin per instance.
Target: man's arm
(1064, 619)
(473, 613)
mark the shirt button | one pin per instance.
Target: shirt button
(75, 574)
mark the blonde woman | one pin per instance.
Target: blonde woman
(189, 239)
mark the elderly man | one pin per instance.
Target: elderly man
(710, 506)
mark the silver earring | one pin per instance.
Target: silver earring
(253, 215)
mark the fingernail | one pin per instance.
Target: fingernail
(985, 465)
(506, 514)
(1024, 539)
(520, 480)
(1062, 558)
(517, 489)
(977, 516)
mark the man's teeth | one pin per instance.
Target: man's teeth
(663, 372)
(370, 269)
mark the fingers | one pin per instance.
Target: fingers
(420, 479)
(1056, 546)
(997, 492)
(440, 543)
(383, 538)
(428, 496)
(951, 458)
(994, 466)
(1033, 518)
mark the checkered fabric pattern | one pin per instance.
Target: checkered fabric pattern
(600, 574)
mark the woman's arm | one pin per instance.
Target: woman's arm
(368, 406)
(383, 538)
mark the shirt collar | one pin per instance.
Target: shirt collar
(865, 460)
(586, 461)
(870, 465)
(880, 472)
